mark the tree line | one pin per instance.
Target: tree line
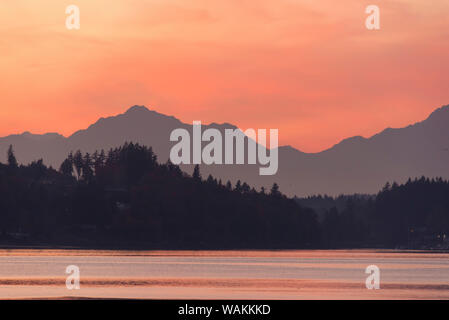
(412, 215)
(125, 198)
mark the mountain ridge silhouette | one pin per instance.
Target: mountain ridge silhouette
(354, 165)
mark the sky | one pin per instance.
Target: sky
(309, 68)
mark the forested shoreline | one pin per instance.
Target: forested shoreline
(125, 198)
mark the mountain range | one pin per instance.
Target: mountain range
(355, 165)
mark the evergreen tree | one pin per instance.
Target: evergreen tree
(87, 167)
(78, 164)
(275, 190)
(196, 173)
(66, 168)
(12, 161)
(238, 186)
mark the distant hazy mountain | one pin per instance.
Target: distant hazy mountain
(355, 165)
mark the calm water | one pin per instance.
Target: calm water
(224, 274)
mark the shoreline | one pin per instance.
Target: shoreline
(211, 250)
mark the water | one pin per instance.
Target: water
(224, 274)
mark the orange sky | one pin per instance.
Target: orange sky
(307, 67)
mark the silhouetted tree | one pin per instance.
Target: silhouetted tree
(245, 188)
(87, 167)
(12, 161)
(238, 186)
(275, 190)
(196, 173)
(210, 180)
(78, 164)
(66, 167)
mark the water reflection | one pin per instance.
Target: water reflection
(224, 274)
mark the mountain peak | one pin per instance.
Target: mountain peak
(137, 108)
